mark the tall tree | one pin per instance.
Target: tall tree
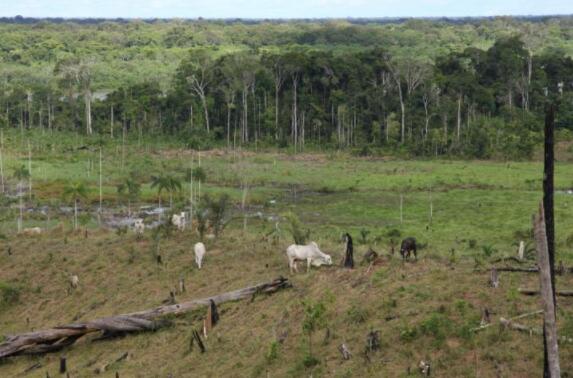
(197, 70)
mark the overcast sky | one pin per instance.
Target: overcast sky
(280, 8)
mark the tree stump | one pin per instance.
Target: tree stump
(521, 251)
(344, 351)
(373, 341)
(494, 278)
(63, 366)
(485, 319)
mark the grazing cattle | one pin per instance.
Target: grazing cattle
(74, 281)
(138, 226)
(309, 253)
(32, 231)
(178, 221)
(408, 245)
(349, 253)
(199, 249)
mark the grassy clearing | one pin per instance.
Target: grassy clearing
(480, 209)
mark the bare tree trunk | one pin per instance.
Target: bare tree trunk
(75, 214)
(2, 188)
(403, 113)
(100, 181)
(49, 114)
(427, 117)
(228, 124)
(548, 180)
(111, 123)
(88, 104)
(294, 109)
(206, 111)
(29, 171)
(277, 89)
(459, 116)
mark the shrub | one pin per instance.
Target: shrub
(295, 228)
(393, 233)
(408, 333)
(364, 235)
(9, 294)
(217, 212)
(569, 241)
(273, 352)
(472, 243)
(356, 315)
(488, 250)
(436, 325)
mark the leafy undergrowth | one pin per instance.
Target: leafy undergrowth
(424, 310)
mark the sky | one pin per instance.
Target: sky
(280, 8)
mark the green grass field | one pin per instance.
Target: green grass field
(424, 310)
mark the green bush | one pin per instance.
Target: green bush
(296, 228)
(488, 250)
(408, 333)
(436, 325)
(9, 294)
(356, 315)
(273, 352)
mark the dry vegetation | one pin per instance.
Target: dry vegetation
(424, 310)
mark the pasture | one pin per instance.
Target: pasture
(465, 215)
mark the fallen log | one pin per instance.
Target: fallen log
(56, 338)
(559, 270)
(520, 270)
(509, 258)
(560, 293)
(520, 327)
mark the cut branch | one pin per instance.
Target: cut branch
(508, 320)
(54, 339)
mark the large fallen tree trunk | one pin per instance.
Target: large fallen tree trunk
(559, 293)
(53, 339)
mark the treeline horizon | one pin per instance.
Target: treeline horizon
(19, 19)
(467, 102)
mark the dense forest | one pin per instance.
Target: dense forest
(468, 88)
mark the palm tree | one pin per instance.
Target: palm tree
(128, 189)
(75, 191)
(168, 183)
(21, 174)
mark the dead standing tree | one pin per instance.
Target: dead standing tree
(54, 339)
(546, 236)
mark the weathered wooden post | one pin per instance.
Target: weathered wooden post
(551, 368)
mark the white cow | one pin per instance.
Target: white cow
(199, 249)
(179, 221)
(74, 281)
(309, 253)
(32, 231)
(138, 226)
